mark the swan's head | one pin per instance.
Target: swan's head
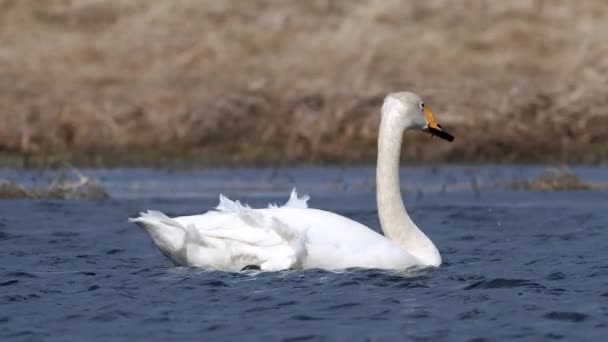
(409, 111)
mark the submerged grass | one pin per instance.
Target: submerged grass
(62, 187)
(551, 180)
(102, 82)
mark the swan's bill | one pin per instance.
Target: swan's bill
(438, 132)
(434, 128)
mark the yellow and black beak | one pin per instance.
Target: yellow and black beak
(434, 128)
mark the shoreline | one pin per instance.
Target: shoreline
(18, 162)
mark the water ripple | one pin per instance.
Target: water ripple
(566, 316)
(507, 268)
(499, 283)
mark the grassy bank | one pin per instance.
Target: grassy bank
(265, 82)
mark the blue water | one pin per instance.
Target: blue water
(517, 265)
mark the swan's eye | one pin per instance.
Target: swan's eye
(421, 104)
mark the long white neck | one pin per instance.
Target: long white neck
(396, 223)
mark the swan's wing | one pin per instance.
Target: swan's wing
(294, 201)
(230, 238)
(256, 235)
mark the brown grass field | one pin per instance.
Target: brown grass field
(258, 82)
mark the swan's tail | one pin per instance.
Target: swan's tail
(167, 233)
(153, 217)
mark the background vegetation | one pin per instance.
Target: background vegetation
(109, 82)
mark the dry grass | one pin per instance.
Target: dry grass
(268, 81)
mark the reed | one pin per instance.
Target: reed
(102, 82)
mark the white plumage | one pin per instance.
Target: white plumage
(235, 236)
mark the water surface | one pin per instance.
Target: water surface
(517, 265)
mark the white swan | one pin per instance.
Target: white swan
(235, 236)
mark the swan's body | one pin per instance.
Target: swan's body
(274, 238)
(294, 236)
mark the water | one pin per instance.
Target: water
(517, 265)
